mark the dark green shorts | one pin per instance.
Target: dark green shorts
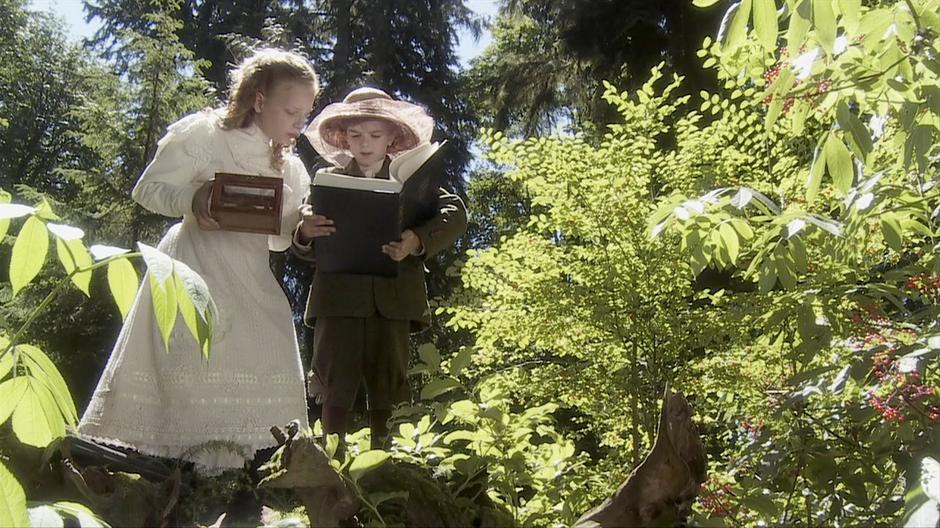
(350, 350)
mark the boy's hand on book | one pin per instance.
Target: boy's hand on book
(409, 244)
(201, 208)
(313, 225)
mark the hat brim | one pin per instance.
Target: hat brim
(327, 132)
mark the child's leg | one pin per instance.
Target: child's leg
(385, 370)
(378, 427)
(337, 358)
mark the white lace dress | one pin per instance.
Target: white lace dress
(175, 404)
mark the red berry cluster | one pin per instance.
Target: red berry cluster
(771, 75)
(752, 428)
(716, 499)
(898, 393)
(927, 285)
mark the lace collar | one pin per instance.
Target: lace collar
(251, 149)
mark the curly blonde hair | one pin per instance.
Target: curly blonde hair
(257, 73)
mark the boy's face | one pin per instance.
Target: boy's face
(369, 141)
(282, 112)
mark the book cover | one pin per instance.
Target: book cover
(369, 213)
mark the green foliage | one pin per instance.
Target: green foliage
(34, 397)
(830, 392)
(12, 500)
(548, 59)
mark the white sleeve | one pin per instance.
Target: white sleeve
(296, 187)
(168, 184)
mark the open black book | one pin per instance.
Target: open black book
(369, 213)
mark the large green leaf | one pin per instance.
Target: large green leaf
(43, 369)
(72, 254)
(164, 302)
(858, 133)
(12, 500)
(799, 24)
(851, 13)
(430, 356)
(461, 360)
(729, 237)
(892, 230)
(704, 3)
(839, 163)
(765, 23)
(817, 168)
(737, 30)
(366, 462)
(158, 263)
(37, 420)
(11, 394)
(824, 22)
(123, 282)
(199, 321)
(438, 386)
(29, 253)
(7, 361)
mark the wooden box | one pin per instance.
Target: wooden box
(247, 204)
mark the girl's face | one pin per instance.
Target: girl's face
(282, 112)
(369, 141)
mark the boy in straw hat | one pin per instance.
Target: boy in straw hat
(361, 322)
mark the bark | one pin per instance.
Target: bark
(661, 490)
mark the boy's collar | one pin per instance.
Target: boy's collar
(353, 169)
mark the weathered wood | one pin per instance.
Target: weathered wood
(661, 490)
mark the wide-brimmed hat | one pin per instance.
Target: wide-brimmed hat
(327, 131)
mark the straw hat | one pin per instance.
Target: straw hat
(327, 131)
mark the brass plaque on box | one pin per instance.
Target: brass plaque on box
(247, 204)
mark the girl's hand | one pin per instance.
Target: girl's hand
(201, 208)
(313, 225)
(409, 244)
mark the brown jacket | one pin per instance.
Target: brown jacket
(404, 297)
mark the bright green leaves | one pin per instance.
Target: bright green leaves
(737, 30)
(12, 500)
(366, 462)
(29, 253)
(892, 231)
(704, 3)
(163, 297)
(40, 366)
(765, 23)
(177, 289)
(195, 305)
(838, 163)
(72, 254)
(729, 239)
(824, 22)
(37, 399)
(123, 282)
(799, 24)
(36, 420)
(834, 158)
(858, 135)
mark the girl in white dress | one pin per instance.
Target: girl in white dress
(176, 405)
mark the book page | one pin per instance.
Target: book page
(328, 178)
(402, 167)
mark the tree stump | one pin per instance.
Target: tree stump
(661, 490)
